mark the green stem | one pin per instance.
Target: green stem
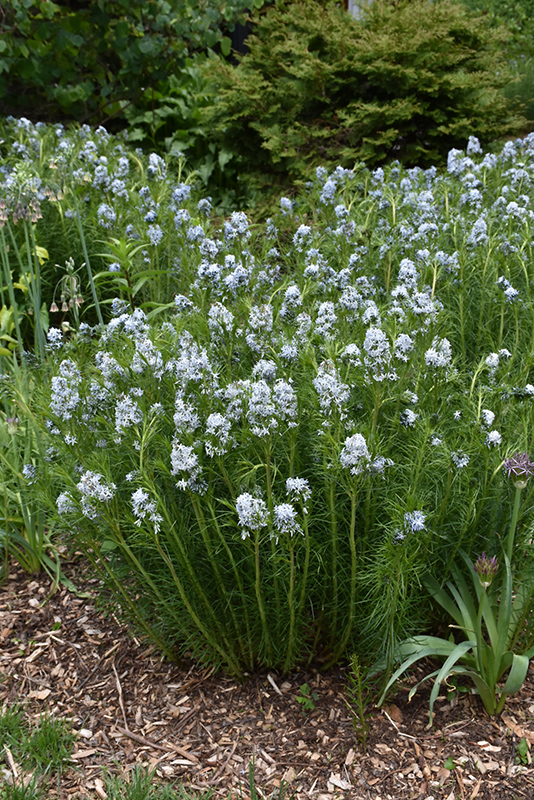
(291, 605)
(334, 539)
(203, 528)
(226, 655)
(306, 567)
(186, 563)
(11, 293)
(259, 598)
(34, 290)
(513, 524)
(353, 564)
(87, 261)
(247, 649)
(270, 504)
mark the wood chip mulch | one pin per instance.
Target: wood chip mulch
(129, 707)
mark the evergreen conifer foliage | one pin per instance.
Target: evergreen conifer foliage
(410, 81)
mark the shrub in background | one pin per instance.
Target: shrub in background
(265, 473)
(172, 120)
(408, 81)
(87, 61)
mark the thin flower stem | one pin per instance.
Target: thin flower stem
(259, 598)
(270, 505)
(226, 654)
(353, 576)
(291, 607)
(87, 260)
(334, 544)
(513, 525)
(186, 563)
(11, 292)
(307, 546)
(246, 648)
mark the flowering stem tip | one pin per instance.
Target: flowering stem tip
(486, 569)
(520, 467)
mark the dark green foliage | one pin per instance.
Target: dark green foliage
(410, 81)
(89, 60)
(172, 119)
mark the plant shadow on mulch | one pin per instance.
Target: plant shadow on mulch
(201, 729)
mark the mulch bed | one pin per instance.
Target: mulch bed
(201, 729)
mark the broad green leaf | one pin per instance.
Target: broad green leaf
(516, 676)
(42, 254)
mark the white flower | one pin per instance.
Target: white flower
(65, 504)
(408, 417)
(54, 339)
(30, 472)
(355, 454)
(298, 489)
(487, 417)
(403, 347)
(331, 392)
(439, 355)
(415, 521)
(218, 428)
(92, 486)
(185, 417)
(252, 512)
(65, 395)
(184, 459)
(285, 519)
(460, 460)
(493, 439)
(127, 413)
(143, 507)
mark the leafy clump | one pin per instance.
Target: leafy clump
(90, 61)
(409, 81)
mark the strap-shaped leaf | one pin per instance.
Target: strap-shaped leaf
(487, 694)
(439, 594)
(467, 610)
(505, 613)
(516, 676)
(419, 647)
(445, 671)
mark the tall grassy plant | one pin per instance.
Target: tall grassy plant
(266, 475)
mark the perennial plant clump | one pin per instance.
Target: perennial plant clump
(493, 654)
(276, 431)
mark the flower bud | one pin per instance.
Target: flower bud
(486, 569)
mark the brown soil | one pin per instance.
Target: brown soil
(200, 729)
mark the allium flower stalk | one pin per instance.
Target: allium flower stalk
(521, 468)
(486, 569)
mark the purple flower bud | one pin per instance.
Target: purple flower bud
(486, 569)
(12, 424)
